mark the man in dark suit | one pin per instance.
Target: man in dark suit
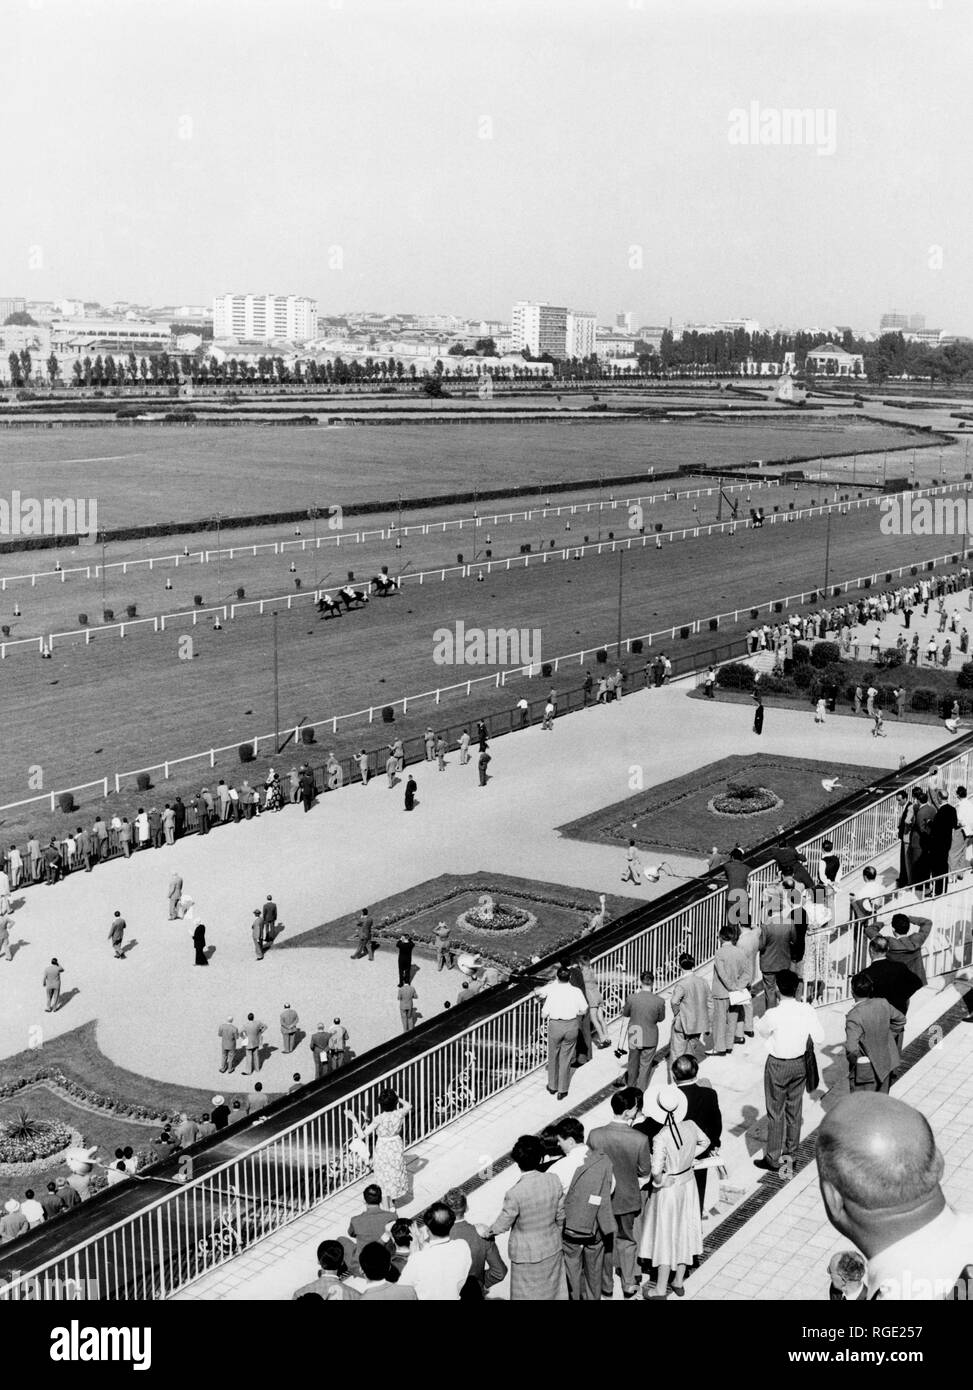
(631, 1161)
(268, 922)
(791, 863)
(905, 946)
(737, 872)
(487, 1265)
(703, 1110)
(890, 979)
(586, 1177)
(369, 1224)
(319, 1050)
(874, 1028)
(776, 943)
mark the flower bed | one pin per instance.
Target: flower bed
(91, 1100)
(745, 802)
(496, 919)
(41, 1142)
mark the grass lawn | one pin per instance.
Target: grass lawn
(676, 816)
(562, 915)
(79, 1057)
(107, 1131)
(157, 473)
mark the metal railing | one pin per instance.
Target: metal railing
(835, 954)
(192, 1228)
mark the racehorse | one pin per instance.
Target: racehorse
(329, 607)
(350, 595)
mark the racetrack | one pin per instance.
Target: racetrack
(121, 704)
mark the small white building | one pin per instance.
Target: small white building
(831, 360)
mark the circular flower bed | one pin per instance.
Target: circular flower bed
(496, 919)
(734, 804)
(22, 1154)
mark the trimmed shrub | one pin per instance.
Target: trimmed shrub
(636, 647)
(546, 669)
(307, 735)
(891, 657)
(459, 557)
(867, 583)
(825, 654)
(924, 699)
(774, 685)
(658, 525)
(803, 676)
(388, 714)
(297, 583)
(714, 624)
(964, 677)
(66, 802)
(5, 629)
(83, 619)
(601, 655)
(108, 615)
(812, 598)
(778, 607)
(914, 569)
(198, 600)
(143, 781)
(130, 610)
(737, 675)
(684, 632)
(755, 612)
(240, 592)
(245, 752)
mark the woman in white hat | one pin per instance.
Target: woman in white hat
(672, 1230)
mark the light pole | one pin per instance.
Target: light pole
(854, 469)
(621, 557)
(104, 597)
(827, 555)
(885, 467)
(313, 514)
(219, 558)
(276, 693)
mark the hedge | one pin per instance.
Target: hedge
(736, 675)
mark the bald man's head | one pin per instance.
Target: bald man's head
(878, 1165)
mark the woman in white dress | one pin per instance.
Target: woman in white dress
(388, 1155)
(672, 1228)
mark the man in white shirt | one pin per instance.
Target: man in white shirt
(787, 1029)
(439, 1269)
(31, 1209)
(880, 1172)
(564, 1007)
(964, 813)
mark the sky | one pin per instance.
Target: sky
(451, 156)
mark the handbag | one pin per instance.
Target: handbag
(811, 1077)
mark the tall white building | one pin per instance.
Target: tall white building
(580, 334)
(263, 317)
(551, 328)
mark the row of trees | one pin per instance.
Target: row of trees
(888, 356)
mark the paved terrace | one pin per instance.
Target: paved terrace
(355, 847)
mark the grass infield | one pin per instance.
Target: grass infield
(676, 815)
